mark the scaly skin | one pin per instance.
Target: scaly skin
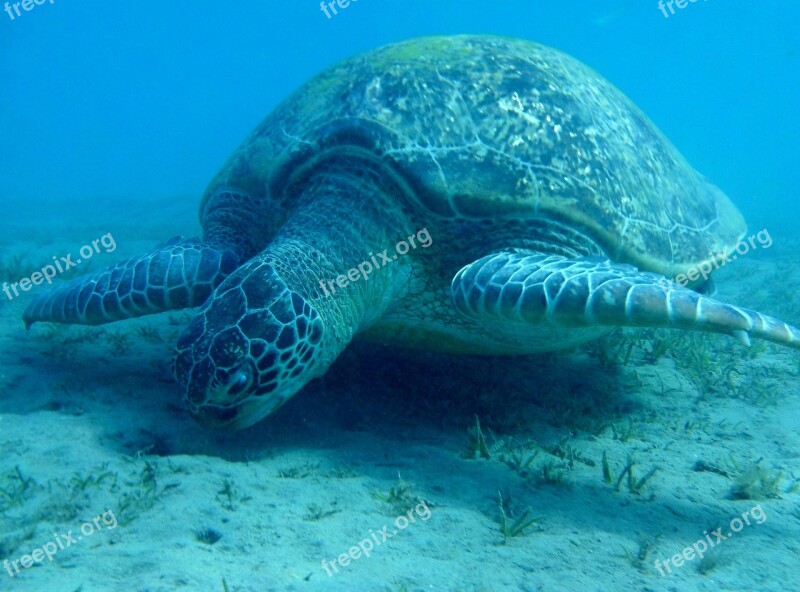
(181, 274)
(531, 290)
(271, 327)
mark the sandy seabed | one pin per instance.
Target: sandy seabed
(615, 455)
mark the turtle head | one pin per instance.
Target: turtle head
(253, 345)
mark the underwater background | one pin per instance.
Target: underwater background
(576, 470)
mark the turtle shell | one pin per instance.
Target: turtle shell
(492, 127)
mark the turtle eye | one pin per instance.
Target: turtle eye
(241, 380)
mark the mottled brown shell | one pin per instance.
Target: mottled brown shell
(501, 128)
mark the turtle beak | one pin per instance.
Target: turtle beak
(238, 417)
(220, 418)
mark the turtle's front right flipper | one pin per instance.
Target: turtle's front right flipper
(179, 274)
(510, 291)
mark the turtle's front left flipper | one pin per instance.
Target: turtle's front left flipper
(513, 289)
(180, 274)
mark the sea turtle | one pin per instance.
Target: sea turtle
(537, 190)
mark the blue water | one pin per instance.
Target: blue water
(106, 106)
(104, 99)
